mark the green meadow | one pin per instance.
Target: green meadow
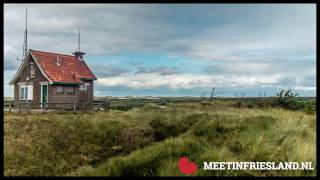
(149, 140)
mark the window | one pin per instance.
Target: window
(32, 70)
(83, 88)
(59, 90)
(23, 91)
(26, 92)
(71, 90)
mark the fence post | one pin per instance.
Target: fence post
(45, 106)
(19, 107)
(9, 107)
(108, 105)
(82, 106)
(74, 107)
(28, 107)
(92, 106)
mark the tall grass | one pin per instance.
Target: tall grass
(253, 135)
(149, 141)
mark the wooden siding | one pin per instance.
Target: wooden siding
(53, 97)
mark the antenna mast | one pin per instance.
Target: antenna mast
(25, 43)
(77, 52)
(79, 41)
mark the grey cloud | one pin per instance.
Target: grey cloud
(107, 71)
(8, 65)
(162, 70)
(259, 37)
(256, 67)
(136, 63)
(117, 28)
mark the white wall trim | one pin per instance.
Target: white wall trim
(24, 83)
(44, 82)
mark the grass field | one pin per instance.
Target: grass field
(149, 140)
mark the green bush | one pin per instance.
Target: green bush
(310, 108)
(288, 100)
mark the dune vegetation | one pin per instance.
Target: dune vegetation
(149, 140)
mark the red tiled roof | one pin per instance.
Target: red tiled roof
(70, 70)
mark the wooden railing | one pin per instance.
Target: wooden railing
(76, 106)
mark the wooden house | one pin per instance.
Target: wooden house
(46, 78)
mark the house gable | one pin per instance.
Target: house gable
(25, 73)
(25, 67)
(35, 80)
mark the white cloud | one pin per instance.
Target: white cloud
(117, 28)
(305, 88)
(254, 43)
(185, 81)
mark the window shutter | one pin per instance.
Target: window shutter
(30, 92)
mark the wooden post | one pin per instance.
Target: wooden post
(45, 106)
(92, 106)
(19, 107)
(127, 105)
(74, 107)
(10, 107)
(82, 106)
(28, 107)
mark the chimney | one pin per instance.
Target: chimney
(77, 53)
(58, 61)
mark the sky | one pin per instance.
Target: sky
(174, 49)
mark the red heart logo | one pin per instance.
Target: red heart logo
(187, 167)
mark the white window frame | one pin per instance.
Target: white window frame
(56, 90)
(27, 92)
(22, 92)
(83, 87)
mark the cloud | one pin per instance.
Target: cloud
(185, 81)
(292, 73)
(241, 45)
(305, 88)
(107, 71)
(136, 63)
(146, 28)
(163, 70)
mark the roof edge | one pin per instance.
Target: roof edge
(41, 70)
(19, 71)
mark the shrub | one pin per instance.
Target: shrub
(288, 100)
(309, 108)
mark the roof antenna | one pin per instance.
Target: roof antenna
(78, 54)
(25, 42)
(79, 41)
(26, 37)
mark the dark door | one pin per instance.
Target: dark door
(44, 95)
